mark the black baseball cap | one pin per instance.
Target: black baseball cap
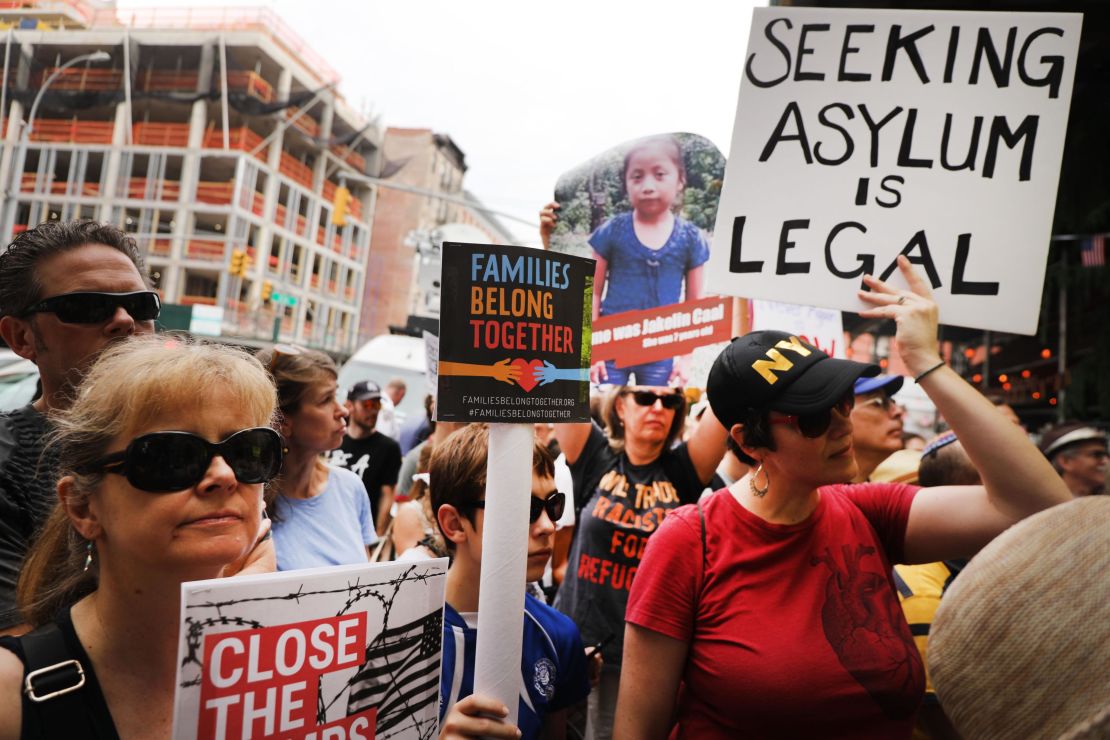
(364, 390)
(776, 371)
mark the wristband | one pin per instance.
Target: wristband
(937, 366)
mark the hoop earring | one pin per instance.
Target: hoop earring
(88, 556)
(757, 491)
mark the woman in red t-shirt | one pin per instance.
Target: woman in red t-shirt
(772, 605)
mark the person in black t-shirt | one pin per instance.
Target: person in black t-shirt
(626, 479)
(369, 453)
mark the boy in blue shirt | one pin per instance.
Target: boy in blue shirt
(553, 663)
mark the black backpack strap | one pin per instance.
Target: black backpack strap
(52, 681)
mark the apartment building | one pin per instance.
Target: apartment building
(407, 227)
(216, 136)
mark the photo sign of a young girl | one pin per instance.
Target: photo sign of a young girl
(643, 211)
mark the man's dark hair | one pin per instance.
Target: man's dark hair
(947, 466)
(19, 285)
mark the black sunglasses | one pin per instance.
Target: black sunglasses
(670, 401)
(816, 423)
(554, 505)
(162, 462)
(91, 307)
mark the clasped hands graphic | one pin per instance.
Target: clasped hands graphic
(527, 374)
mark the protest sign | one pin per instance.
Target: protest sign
(821, 327)
(321, 654)
(514, 339)
(675, 330)
(864, 134)
(643, 210)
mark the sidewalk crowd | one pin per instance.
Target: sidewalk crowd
(772, 560)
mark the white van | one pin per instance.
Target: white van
(388, 356)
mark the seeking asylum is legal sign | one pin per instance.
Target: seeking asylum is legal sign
(864, 134)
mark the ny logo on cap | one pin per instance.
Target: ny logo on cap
(778, 362)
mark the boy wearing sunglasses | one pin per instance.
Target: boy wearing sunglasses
(553, 662)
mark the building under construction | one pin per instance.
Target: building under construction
(216, 137)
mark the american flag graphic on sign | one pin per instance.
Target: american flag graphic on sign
(1092, 251)
(401, 672)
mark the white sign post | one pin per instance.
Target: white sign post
(504, 550)
(864, 134)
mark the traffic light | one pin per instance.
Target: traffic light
(248, 261)
(238, 256)
(340, 205)
(267, 290)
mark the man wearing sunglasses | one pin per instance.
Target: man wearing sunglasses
(876, 422)
(553, 662)
(67, 289)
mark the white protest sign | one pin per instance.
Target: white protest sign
(344, 652)
(821, 327)
(862, 134)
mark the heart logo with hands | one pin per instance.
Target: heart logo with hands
(527, 378)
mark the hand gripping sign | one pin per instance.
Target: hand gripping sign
(514, 347)
(343, 653)
(864, 134)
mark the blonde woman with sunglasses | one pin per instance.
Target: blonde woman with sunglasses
(163, 456)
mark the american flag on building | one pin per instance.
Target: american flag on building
(401, 677)
(1092, 250)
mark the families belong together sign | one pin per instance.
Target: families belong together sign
(864, 134)
(514, 337)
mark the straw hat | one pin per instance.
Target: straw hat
(1020, 646)
(899, 467)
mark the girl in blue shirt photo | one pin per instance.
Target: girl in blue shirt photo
(648, 257)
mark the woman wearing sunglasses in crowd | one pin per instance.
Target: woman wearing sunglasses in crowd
(161, 483)
(321, 513)
(625, 481)
(772, 604)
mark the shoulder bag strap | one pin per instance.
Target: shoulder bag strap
(52, 682)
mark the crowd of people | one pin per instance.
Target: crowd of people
(767, 561)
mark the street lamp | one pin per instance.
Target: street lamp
(25, 136)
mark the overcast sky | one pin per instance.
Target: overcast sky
(529, 90)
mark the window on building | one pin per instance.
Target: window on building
(200, 287)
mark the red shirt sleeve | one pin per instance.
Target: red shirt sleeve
(664, 593)
(887, 507)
